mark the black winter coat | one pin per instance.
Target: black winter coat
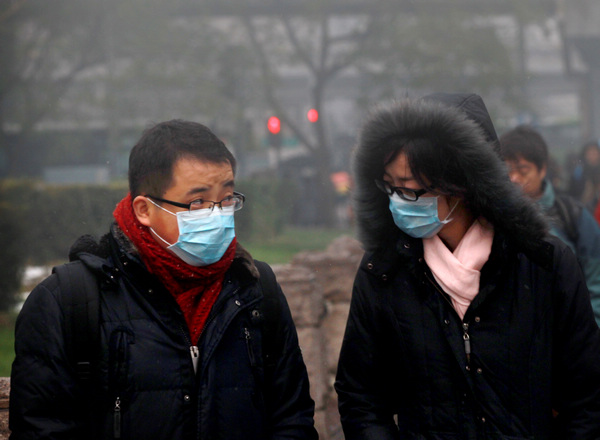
(535, 349)
(528, 347)
(146, 387)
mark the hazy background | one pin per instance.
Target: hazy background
(80, 80)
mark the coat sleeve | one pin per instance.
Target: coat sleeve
(362, 382)
(44, 393)
(588, 254)
(289, 403)
(576, 383)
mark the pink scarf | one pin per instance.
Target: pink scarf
(458, 272)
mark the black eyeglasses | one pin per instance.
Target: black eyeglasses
(236, 200)
(410, 195)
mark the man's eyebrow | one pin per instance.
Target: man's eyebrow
(202, 189)
(198, 190)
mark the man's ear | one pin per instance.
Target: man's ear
(544, 171)
(141, 209)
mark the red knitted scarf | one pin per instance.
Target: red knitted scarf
(195, 288)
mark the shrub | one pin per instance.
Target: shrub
(55, 216)
(13, 255)
(267, 208)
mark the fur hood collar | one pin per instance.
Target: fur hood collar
(468, 156)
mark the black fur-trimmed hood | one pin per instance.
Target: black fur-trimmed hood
(462, 127)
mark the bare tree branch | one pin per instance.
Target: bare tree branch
(268, 81)
(359, 38)
(12, 9)
(303, 54)
(43, 69)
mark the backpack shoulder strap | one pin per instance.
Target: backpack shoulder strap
(569, 212)
(80, 295)
(271, 324)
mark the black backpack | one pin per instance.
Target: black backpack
(81, 307)
(567, 210)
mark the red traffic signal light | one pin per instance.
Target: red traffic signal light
(274, 125)
(312, 115)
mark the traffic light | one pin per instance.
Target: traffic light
(274, 131)
(312, 115)
(274, 125)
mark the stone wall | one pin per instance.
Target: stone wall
(317, 286)
(4, 391)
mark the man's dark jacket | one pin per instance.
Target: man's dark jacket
(146, 387)
(533, 371)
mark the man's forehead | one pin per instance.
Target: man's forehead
(519, 159)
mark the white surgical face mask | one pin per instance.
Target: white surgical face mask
(204, 234)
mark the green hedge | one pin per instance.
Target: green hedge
(39, 223)
(267, 209)
(13, 255)
(53, 217)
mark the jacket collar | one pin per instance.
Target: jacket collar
(407, 252)
(546, 201)
(95, 254)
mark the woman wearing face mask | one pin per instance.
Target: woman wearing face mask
(467, 321)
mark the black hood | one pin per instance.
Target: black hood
(462, 128)
(473, 106)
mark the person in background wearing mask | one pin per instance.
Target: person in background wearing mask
(467, 320)
(180, 352)
(526, 154)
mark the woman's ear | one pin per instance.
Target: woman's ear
(141, 209)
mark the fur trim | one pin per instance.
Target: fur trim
(246, 260)
(466, 157)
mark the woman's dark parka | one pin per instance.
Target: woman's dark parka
(524, 363)
(146, 387)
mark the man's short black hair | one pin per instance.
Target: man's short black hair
(152, 159)
(526, 142)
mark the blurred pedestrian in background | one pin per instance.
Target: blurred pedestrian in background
(467, 320)
(584, 183)
(526, 154)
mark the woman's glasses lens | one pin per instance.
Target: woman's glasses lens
(408, 194)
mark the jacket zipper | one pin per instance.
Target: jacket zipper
(195, 353)
(467, 340)
(248, 337)
(465, 325)
(194, 350)
(120, 379)
(117, 419)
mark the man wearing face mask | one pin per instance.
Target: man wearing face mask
(182, 320)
